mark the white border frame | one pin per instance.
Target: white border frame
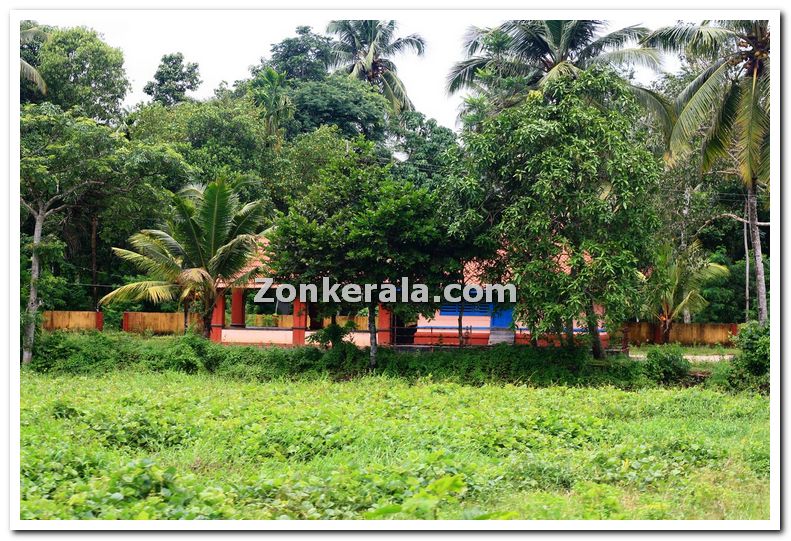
(11, 323)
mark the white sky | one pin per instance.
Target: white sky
(226, 43)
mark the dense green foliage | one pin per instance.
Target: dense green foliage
(750, 368)
(569, 176)
(351, 105)
(357, 225)
(173, 79)
(131, 445)
(82, 71)
(97, 353)
(94, 353)
(208, 242)
(666, 364)
(306, 56)
(365, 49)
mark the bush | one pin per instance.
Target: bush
(750, 368)
(666, 364)
(95, 352)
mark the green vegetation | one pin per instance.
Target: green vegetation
(730, 100)
(750, 367)
(689, 350)
(554, 183)
(364, 50)
(209, 239)
(666, 364)
(135, 445)
(98, 353)
(173, 79)
(574, 238)
(675, 283)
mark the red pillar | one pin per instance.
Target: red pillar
(300, 322)
(384, 333)
(218, 318)
(99, 320)
(237, 307)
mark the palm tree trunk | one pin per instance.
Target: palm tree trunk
(372, 332)
(207, 326)
(666, 326)
(746, 274)
(186, 317)
(755, 237)
(33, 301)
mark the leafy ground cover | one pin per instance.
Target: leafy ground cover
(167, 445)
(688, 350)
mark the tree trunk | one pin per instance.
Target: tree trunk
(593, 330)
(186, 317)
(746, 275)
(570, 334)
(32, 301)
(755, 237)
(665, 327)
(461, 329)
(372, 331)
(207, 325)
(94, 278)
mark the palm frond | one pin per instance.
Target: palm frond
(230, 258)
(153, 291)
(698, 40)
(184, 223)
(752, 126)
(696, 104)
(162, 270)
(561, 69)
(249, 219)
(395, 92)
(474, 39)
(613, 40)
(640, 56)
(411, 43)
(719, 138)
(29, 73)
(656, 105)
(464, 73)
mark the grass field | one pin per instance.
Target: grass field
(171, 445)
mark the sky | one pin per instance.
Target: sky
(226, 43)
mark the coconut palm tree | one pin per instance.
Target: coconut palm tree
(729, 102)
(522, 55)
(364, 50)
(208, 242)
(28, 72)
(269, 91)
(675, 282)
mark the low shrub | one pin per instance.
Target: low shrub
(666, 364)
(749, 370)
(95, 353)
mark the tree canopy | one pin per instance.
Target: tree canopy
(173, 79)
(569, 177)
(81, 70)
